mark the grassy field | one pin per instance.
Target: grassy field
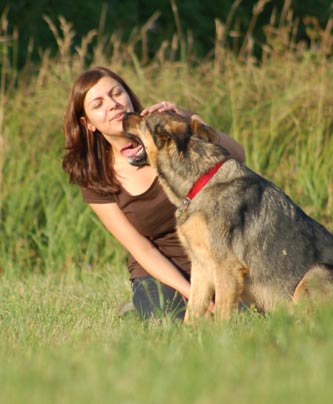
(63, 276)
(62, 342)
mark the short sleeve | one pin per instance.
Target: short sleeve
(90, 196)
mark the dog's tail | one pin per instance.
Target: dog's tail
(316, 285)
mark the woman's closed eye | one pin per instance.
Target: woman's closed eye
(116, 93)
(97, 105)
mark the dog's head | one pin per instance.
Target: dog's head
(160, 130)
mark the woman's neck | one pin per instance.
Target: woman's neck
(117, 142)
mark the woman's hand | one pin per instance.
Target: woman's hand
(162, 106)
(170, 106)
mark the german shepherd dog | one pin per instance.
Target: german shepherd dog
(248, 242)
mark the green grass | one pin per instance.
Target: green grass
(62, 341)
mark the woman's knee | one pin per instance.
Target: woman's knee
(152, 298)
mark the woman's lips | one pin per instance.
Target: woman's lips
(118, 117)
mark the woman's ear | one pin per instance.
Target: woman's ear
(88, 125)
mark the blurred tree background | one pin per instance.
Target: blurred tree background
(196, 21)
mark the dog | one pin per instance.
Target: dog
(248, 242)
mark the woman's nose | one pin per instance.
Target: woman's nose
(112, 102)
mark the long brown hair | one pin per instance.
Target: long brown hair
(88, 157)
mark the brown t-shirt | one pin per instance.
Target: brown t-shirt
(152, 214)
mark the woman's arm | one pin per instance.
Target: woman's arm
(235, 149)
(142, 250)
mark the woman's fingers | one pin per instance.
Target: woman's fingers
(161, 107)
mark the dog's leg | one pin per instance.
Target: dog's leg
(194, 236)
(201, 292)
(229, 286)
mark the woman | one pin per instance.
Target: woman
(127, 199)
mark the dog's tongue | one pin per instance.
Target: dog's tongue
(130, 150)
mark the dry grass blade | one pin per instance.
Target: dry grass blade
(247, 46)
(222, 31)
(178, 28)
(82, 50)
(64, 37)
(146, 27)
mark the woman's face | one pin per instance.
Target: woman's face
(105, 105)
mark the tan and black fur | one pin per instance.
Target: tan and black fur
(248, 242)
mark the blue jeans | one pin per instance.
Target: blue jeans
(152, 298)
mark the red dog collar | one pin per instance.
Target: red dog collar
(199, 184)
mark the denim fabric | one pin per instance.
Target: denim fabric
(152, 298)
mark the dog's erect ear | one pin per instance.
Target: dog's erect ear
(165, 126)
(204, 131)
(131, 122)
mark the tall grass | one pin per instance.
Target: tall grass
(280, 109)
